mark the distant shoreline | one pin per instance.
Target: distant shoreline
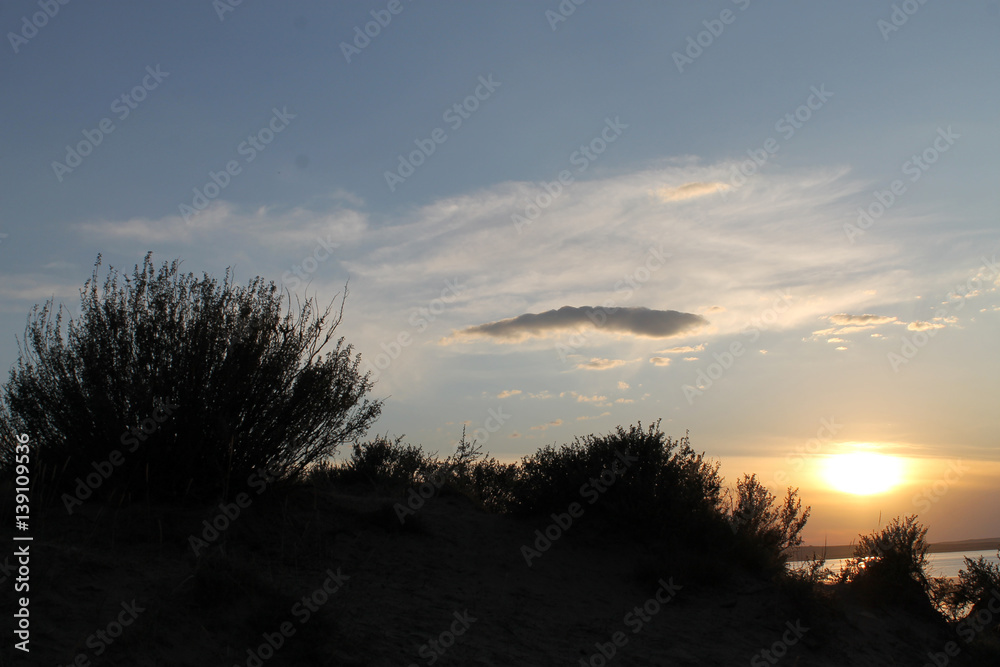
(847, 550)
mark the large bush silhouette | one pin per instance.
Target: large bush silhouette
(242, 374)
(662, 488)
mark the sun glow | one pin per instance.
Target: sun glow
(863, 473)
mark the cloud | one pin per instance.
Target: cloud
(625, 400)
(296, 227)
(542, 395)
(690, 191)
(585, 417)
(683, 349)
(847, 324)
(622, 385)
(841, 348)
(835, 340)
(581, 398)
(507, 393)
(637, 321)
(660, 361)
(604, 364)
(542, 427)
(691, 358)
(843, 319)
(924, 326)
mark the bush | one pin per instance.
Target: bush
(235, 382)
(385, 463)
(765, 531)
(890, 564)
(978, 585)
(667, 490)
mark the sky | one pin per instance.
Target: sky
(772, 226)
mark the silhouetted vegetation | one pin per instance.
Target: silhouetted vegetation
(889, 565)
(978, 586)
(767, 530)
(170, 386)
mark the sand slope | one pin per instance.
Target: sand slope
(452, 568)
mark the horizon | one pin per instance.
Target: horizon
(780, 240)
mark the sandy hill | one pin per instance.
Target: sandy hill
(335, 579)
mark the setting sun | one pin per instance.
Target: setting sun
(863, 473)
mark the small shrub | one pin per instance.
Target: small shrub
(978, 585)
(765, 531)
(385, 463)
(889, 565)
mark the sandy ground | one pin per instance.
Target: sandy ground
(454, 576)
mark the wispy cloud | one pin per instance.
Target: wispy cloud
(507, 393)
(542, 427)
(586, 417)
(689, 191)
(267, 226)
(660, 361)
(924, 326)
(843, 319)
(683, 349)
(604, 364)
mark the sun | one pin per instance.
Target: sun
(863, 473)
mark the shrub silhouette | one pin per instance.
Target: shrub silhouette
(889, 565)
(384, 463)
(668, 490)
(765, 530)
(978, 584)
(252, 387)
(390, 466)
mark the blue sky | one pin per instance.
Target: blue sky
(657, 208)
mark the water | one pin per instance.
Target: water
(939, 564)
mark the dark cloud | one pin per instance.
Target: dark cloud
(636, 321)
